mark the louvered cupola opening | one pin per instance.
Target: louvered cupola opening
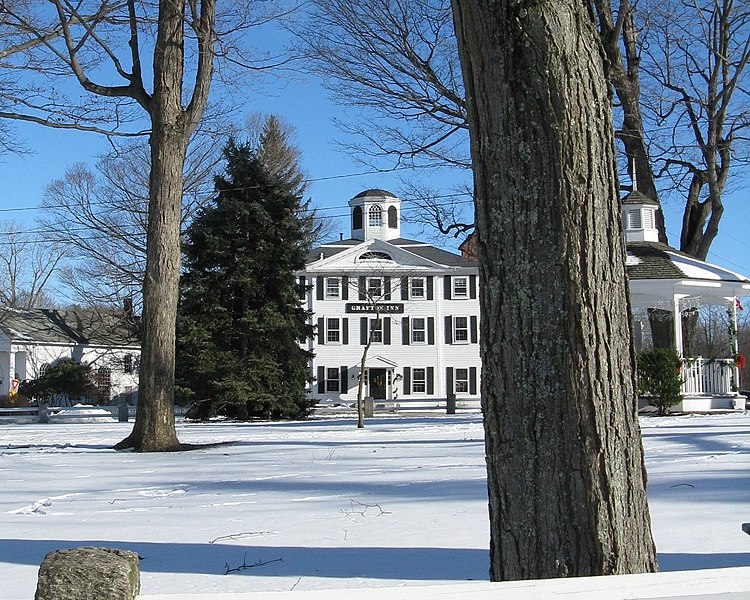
(639, 218)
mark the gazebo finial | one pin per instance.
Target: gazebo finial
(633, 176)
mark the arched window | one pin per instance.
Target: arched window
(392, 217)
(42, 370)
(375, 256)
(376, 216)
(357, 217)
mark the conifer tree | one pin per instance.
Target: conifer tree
(240, 322)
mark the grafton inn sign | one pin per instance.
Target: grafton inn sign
(384, 309)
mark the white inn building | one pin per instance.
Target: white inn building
(416, 302)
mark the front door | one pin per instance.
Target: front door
(377, 384)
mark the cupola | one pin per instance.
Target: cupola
(376, 214)
(639, 218)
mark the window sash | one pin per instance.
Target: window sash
(332, 379)
(418, 333)
(419, 381)
(375, 287)
(376, 331)
(460, 287)
(462, 381)
(333, 289)
(417, 287)
(461, 330)
(333, 331)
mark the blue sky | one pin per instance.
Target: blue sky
(307, 106)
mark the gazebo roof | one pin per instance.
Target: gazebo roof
(658, 273)
(653, 260)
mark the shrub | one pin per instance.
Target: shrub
(66, 378)
(659, 378)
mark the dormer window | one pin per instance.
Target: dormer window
(375, 215)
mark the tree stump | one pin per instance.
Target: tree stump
(88, 573)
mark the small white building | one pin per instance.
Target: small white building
(665, 279)
(419, 303)
(35, 339)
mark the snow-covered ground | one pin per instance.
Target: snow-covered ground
(320, 505)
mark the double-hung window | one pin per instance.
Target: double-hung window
(332, 379)
(374, 288)
(333, 331)
(376, 331)
(419, 381)
(333, 288)
(460, 287)
(417, 288)
(460, 330)
(418, 330)
(462, 381)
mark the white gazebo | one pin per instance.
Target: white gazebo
(661, 277)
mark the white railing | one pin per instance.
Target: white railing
(711, 376)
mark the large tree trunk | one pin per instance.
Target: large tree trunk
(154, 429)
(565, 467)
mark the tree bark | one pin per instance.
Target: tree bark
(566, 477)
(154, 428)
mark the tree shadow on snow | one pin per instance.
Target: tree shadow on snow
(417, 564)
(678, 561)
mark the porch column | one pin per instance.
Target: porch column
(734, 341)
(677, 323)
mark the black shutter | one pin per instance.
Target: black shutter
(363, 333)
(321, 380)
(387, 285)
(345, 288)
(448, 380)
(362, 286)
(473, 381)
(405, 341)
(473, 321)
(344, 330)
(407, 381)
(472, 286)
(448, 330)
(404, 288)
(430, 380)
(302, 284)
(447, 291)
(344, 371)
(321, 330)
(319, 288)
(431, 331)
(387, 331)
(430, 285)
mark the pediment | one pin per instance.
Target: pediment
(365, 258)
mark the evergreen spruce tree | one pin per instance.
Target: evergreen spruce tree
(240, 322)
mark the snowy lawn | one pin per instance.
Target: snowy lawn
(322, 505)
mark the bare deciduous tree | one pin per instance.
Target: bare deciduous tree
(696, 58)
(397, 60)
(101, 216)
(27, 264)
